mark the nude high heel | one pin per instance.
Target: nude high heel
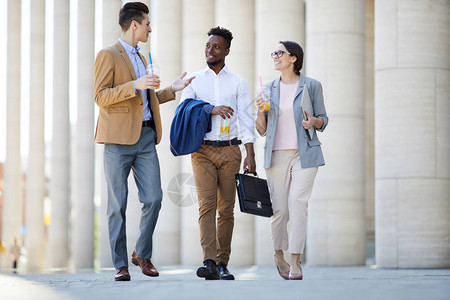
(296, 275)
(284, 275)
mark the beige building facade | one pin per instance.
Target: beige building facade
(385, 69)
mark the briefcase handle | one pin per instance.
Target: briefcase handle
(246, 172)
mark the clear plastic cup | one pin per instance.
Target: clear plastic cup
(265, 94)
(224, 128)
(154, 69)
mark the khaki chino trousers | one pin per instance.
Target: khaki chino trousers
(290, 188)
(214, 170)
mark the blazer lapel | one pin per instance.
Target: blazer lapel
(276, 95)
(143, 60)
(126, 59)
(301, 84)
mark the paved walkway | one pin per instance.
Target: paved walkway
(179, 282)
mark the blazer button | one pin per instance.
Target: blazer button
(306, 136)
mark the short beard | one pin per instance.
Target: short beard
(214, 63)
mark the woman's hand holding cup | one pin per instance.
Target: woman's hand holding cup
(260, 102)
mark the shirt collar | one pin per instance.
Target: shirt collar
(128, 47)
(225, 69)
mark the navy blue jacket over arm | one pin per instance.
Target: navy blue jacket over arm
(191, 121)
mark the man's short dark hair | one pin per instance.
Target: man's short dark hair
(223, 32)
(297, 51)
(132, 11)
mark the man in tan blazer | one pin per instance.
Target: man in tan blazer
(129, 125)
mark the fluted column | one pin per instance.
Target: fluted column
(198, 18)
(167, 52)
(335, 56)
(369, 128)
(35, 239)
(412, 134)
(273, 23)
(238, 16)
(83, 204)
(111, 31)
(58, 231)
(12, 205)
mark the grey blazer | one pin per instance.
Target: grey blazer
(310, 151)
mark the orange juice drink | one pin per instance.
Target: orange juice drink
(154, 69)
(225, 129)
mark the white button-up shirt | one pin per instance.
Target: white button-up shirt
(221, 89)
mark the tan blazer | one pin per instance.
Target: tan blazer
(121, 109)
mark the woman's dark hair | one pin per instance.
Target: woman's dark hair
(223, 32)
(297, 51)
(132, 11)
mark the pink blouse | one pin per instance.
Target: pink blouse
(285, 132)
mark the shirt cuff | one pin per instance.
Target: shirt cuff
(246, 140)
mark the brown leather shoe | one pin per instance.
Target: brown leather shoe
(122, 274)
(146, 265)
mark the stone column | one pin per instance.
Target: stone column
(238, 16)
(335, 55)
(198, 18)
(286, 22)
(111, 31)
(58, 231)
(13, 196)
(83, 201)
(370, 133)
(35, 238)
(412, 134)
(167, 53)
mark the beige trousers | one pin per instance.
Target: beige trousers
(290, 188)
(214, 169)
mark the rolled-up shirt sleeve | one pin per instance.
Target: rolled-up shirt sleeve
(245, 114)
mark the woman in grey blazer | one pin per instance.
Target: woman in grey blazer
(291, 155)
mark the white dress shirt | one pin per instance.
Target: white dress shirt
(221, 89)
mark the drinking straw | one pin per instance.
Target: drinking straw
(151, 64)
(260, 84)
(226, 120)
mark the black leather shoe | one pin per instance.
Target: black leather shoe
(224, 274)
(208, 271)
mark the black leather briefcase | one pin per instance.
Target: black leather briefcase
(253, 194)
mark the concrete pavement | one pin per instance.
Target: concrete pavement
(178, 282)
